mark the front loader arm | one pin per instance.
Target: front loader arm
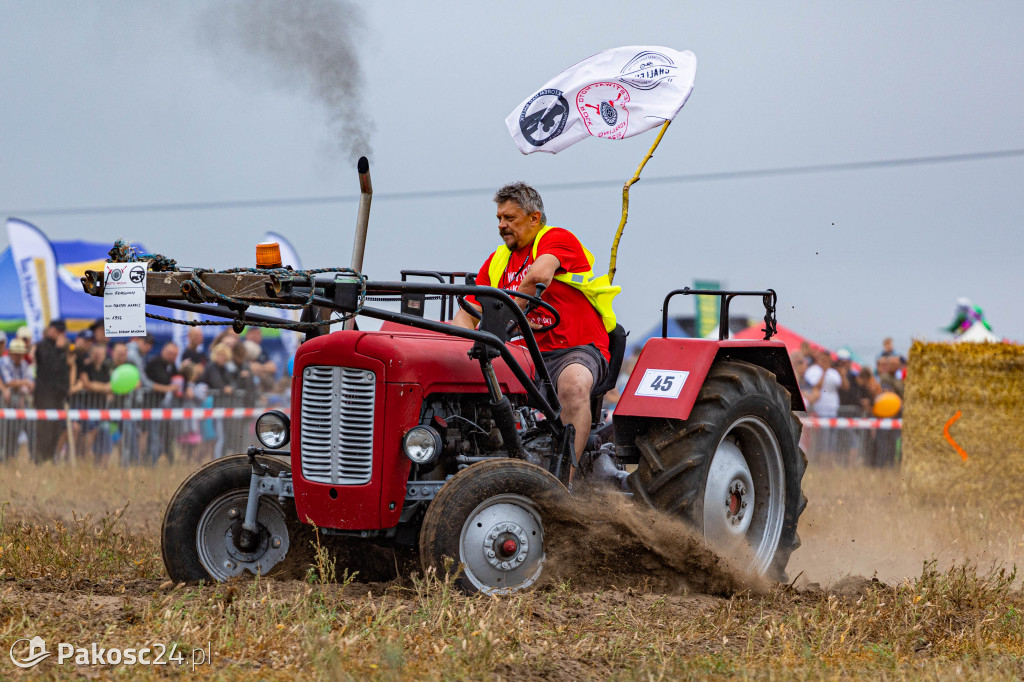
(230, 295)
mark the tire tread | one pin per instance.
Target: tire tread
(675, 455)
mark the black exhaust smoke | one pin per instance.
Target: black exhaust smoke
(307, 46)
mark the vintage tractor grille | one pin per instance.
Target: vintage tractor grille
(336, 432)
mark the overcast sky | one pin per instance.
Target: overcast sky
(114, 104)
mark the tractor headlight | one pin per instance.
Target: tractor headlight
(422, 444)
(273, 429)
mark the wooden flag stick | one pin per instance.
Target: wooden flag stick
(625, 200)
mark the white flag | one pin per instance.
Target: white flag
(36, 265)
(614, 94)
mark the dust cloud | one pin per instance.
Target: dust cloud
(605, 541)
(862, 521)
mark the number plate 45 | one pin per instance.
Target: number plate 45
(661, 383)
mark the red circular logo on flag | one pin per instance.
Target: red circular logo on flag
(602, 107)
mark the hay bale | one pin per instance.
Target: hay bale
(985, 383)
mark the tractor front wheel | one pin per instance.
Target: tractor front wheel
(733, 469)
(489, 520)
(202, 529)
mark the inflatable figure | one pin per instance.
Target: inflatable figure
(970, 325)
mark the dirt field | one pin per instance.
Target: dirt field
(884, 585)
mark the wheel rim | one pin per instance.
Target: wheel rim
(219, 528)
(502, 544)
(745, 494)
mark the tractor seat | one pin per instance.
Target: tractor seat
(617, 349)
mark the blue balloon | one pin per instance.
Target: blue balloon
(291, 366)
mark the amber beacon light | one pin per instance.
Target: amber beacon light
(268, 255)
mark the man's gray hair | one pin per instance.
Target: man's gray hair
(524, 196)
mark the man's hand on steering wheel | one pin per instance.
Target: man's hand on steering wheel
(532, 303)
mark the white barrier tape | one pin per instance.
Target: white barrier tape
(851, 423)
(179, 413)
(137, 414)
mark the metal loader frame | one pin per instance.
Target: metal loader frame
(229, 295)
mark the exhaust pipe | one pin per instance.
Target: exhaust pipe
(362, 221)
(363, 218)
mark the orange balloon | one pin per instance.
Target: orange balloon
(887, 405)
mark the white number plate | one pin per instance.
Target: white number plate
(661, 383)
(124, 298)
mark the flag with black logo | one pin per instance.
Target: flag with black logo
(613, 94)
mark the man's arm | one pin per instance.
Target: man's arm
(73, 386)
(96, 386)
(464, 319)
(79, 380)
(5, 378)
(844, 382)
(157, 370)
(264, 369)
(541, 272)
(11, 380)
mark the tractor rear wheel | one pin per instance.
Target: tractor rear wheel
(733, 469)
(489, 520)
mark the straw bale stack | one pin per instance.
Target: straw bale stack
(985, 383)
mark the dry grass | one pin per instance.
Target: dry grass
(99, 578)
(985, 384)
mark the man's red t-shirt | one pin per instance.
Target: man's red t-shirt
(580, 323)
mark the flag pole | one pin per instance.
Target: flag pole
(625, 200)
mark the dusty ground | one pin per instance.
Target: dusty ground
(860, 522)
(884, 585)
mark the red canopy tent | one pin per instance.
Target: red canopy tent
(789, 337)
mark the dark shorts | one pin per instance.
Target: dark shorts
(588, 356)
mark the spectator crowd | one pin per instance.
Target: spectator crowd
(76, 372)
(235, 371)
(834, 386)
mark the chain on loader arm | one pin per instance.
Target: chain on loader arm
(342, 291)
(234, 291)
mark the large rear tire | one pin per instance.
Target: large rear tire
(203, 521)
(733, 469)
(489, 519)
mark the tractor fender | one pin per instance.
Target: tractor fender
(669, 374)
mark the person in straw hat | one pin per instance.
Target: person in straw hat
(18, 383)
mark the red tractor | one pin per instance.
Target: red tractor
(448, 441)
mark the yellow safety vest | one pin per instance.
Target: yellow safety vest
(598, 290)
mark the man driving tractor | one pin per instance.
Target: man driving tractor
(537, 254)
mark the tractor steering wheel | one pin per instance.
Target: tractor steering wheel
(470, 310)
(533, 302)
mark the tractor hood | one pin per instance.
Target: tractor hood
(434, 361)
